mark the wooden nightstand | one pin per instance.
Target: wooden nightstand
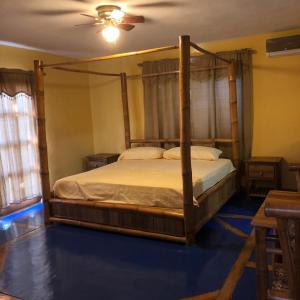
(100, 160)
(262, 175)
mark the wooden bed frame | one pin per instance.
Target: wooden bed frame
(180, 225)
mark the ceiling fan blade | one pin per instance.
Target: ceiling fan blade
(156, 4)
(127, 19)
(56, 12)
(86, 24)
(89, 16)
(126, 27)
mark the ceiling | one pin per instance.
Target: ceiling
(49, 24)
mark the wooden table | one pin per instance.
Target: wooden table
(262, 225)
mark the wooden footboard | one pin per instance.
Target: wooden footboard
(132, 219)
(153, 222)
(213, 199)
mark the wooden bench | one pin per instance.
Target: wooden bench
(280, 213)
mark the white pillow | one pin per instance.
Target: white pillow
(197, 152)
(142, 153)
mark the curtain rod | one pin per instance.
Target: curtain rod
(15, 71)
(174, 72)
(252, 51)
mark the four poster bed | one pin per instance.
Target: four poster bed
(178, 224)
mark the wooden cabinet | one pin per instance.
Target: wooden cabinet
(100, 160)
(262, 175)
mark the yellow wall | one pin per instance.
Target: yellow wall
(84, 114)
(276, 84)
(68, 113)
(107, 105)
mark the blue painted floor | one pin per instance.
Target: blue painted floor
(64, 262)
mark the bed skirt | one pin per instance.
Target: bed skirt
(153, 222)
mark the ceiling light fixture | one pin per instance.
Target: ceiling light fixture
(117, 15)
(111, 19)
(110, 33)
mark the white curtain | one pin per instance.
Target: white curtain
(19, 161)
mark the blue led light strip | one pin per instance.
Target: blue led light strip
(33, 208)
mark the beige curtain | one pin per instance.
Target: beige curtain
(19, 162)
(210, 114)
(160, 94)
(243, 64)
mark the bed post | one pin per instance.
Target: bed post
(234, 116)
(125, 109)
(40, 104)
(185, 137)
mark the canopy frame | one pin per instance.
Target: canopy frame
(185, 127)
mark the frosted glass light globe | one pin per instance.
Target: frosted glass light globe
(117, 15)
(110, 33)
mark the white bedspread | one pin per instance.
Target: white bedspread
(155, 182)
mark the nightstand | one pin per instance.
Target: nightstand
(100, 160)
(262, 175)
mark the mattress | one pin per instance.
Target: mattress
(151, 182)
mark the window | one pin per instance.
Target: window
(19, 161)
(209, 94)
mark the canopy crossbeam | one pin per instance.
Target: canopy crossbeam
(107, 57)
(87, 72)
(196, 47)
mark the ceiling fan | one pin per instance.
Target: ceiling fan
(112, 18)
